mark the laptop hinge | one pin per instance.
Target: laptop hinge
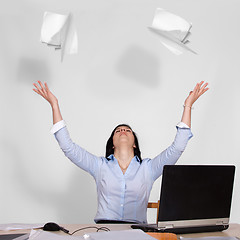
(167, 226)
(221, 223)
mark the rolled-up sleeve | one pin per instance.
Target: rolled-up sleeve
(170, 155)
(75, 153)
(57, 126)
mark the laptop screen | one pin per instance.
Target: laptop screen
(192, 192)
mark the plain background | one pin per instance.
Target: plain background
(122, 74)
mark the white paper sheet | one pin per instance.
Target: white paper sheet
(173, 31)
(16, 226)
(133, 234)
(23, 237)
(44, 235)
(210, 238)
(58, 31)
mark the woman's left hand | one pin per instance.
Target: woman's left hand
(199, 89)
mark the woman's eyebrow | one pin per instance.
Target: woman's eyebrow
(127, 128)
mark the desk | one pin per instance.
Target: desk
(233, 230)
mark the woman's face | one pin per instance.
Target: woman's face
(123, 135)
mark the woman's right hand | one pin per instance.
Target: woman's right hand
(44, 91)
(47, 94)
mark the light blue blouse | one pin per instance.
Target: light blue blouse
(121, 196)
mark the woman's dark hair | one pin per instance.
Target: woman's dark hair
(109, 146)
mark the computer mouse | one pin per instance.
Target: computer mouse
(51, 226)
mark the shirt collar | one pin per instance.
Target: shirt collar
(111, 157)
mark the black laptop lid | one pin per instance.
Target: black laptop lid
(192, 192)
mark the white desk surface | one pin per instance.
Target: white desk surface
(233, 230)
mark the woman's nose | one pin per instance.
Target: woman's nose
(123, 130)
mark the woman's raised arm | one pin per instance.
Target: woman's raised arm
(44, 91)
(199, 89)
(75, 153)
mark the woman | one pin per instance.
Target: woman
(123, 179)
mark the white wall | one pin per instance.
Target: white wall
(121, 74)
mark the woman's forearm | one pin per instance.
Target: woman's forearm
(186, 116)
(56, 112)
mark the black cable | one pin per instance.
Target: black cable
(98, 229)
(103, 229)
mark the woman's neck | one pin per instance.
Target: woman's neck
(124, 157)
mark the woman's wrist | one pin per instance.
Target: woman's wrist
(188, 106)
(54, 104)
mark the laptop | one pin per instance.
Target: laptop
(194, 198)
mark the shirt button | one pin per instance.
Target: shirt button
(121, 205)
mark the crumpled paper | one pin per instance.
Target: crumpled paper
(173, 30)
(59, 32)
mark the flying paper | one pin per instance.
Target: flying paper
(173, 31)
(58, 31)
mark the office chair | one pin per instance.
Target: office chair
(154, 205)
(158, 235)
